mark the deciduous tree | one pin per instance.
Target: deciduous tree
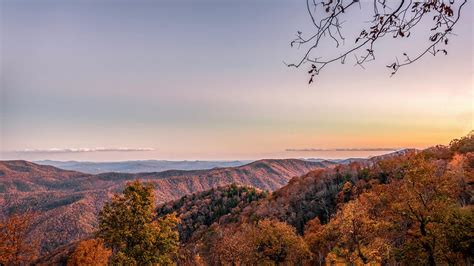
(90, 252)
(16, 248)
(266, 242)
(394, 19)
(418, 218)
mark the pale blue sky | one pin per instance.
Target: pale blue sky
(206, 80)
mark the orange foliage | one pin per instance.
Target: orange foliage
(90, 252)
(15, 246)
(413, 219)
(267, 242)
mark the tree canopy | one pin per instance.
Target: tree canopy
(16, 247)
(90, 252)
(419, 218)
(129, 227)
(266, 242)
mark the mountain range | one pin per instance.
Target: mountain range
(140, 166)
(67, 202)
(214, 204)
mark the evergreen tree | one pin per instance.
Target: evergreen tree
(128, 226)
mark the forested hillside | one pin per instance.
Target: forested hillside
(66, 203)
(415, 207)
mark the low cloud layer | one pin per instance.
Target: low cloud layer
(345, 149)
(83, 150)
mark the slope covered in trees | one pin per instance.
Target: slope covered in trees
(415, 207)
(67, 202)
(423, 215)
(198, 211)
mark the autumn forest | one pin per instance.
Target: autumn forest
(237, 132)
(410, 208)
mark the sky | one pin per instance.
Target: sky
(206, 80)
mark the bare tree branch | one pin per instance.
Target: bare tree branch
(390, 18)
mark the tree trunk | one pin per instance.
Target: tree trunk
(426, 245)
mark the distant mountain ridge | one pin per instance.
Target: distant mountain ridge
(146, 166)
(68, 201)
(140, 166)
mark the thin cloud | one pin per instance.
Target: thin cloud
(345, 149)
(83, 150)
